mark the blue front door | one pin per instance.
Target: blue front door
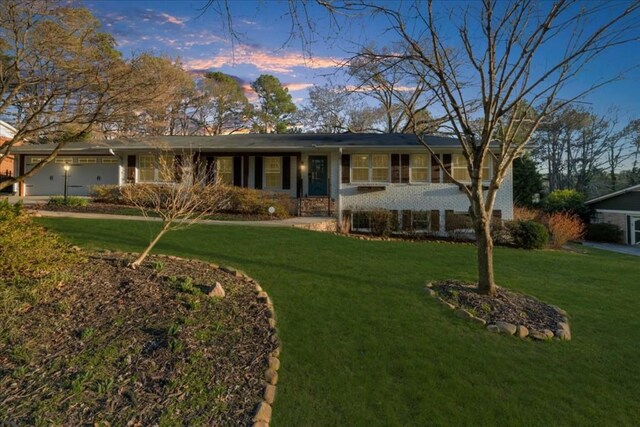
(318, 176)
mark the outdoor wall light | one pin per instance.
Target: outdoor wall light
(302, 166)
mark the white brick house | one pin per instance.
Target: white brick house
(345, 173)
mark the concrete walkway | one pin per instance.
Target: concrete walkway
(298, 222)
(621, 249)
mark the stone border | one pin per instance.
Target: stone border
(262, 416)
(563, 331)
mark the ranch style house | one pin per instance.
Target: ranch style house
(330, 174)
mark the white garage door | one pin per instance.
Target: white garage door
(84, 172)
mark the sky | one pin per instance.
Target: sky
(200, 38)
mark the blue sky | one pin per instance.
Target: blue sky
(180, 29)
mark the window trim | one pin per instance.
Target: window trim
(87, 160)
(65, 160)
(34, 160)
(109, 161)
(265, 172)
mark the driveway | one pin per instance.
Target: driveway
(622, 249)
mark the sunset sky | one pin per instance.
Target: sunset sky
(182, 29)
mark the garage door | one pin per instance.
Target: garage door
(84, 172)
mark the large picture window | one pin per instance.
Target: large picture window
(224, 169)
(461, 173)
(420, 168)
(273, 172)
(370, 168)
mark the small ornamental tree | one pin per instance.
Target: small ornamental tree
(189, 192)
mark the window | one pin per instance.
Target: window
(360, 167)
(420, 220)
(166, 168)
(460, 172)
(360, 221)
(36, 160)
(224, 169)
(273, 172)
(380, 167)
(109, 160)
(146, 169)
(419, 168)
(86, 160)
(64, 160)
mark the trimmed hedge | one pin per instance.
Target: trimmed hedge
(529, 234)
(70, 201)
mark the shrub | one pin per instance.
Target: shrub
(521, 213)
(570, 201)
(107, 194)
(563, 227)
(249, 201)
(70, 201)
(528, 234)
(32, 260)
(609, 233)
(381, 222)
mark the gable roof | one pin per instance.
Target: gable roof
(255, 141)
(613, 194)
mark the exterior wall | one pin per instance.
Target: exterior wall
(420, 197)
(49, 180)
(618, 219)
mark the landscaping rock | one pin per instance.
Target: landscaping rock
(270, 394)
(493, 328)
(446, 303)
(262, 296)
(563, 335)
(260, 424)
(263, 413)
(274, 363)
(258, 288)
(478, 320)
(522, 331)
(564, 326)
(431, 292)
(272, 322)
(506, 328)
(537, 335)
(463, 314)
(231, 271)
(76, 248)
(429, 285)
(271, 376)
(216, 266)
(560, 311)
(276, 352)
(548, 333)
(217, 291)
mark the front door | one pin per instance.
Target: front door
(635, 230)
(318, 176)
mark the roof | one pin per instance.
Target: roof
(253, 142)
(613, 194)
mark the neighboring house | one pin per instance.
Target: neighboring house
(336, 173)
(6, 164)
(621, 208)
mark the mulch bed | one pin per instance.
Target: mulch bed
(505, 306)
(137, 347)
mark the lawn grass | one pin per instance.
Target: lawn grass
(364, 345)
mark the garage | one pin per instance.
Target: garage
(83, 173)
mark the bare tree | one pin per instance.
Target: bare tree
(189, 192)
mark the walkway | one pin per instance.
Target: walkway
(621, 249)
(311, 223)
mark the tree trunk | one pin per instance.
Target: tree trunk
(484, 242)
(135, 264)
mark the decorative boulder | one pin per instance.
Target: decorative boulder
(217, 291)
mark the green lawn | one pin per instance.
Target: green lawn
(364, 345)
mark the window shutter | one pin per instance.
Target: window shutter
(131, 169)
(177, 167)
(210, 167)
(258, 174)
(434, 221)
(446, 160)
(406, 220)
(286, 173)
(346, 168)
(404, 173)
(449, 220)
(395, 168)
(435, 170)
(237, 171)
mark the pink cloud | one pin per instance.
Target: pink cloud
(297, 86)
(172, 19)
(263, 60)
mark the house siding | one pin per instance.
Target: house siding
(624, 202)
